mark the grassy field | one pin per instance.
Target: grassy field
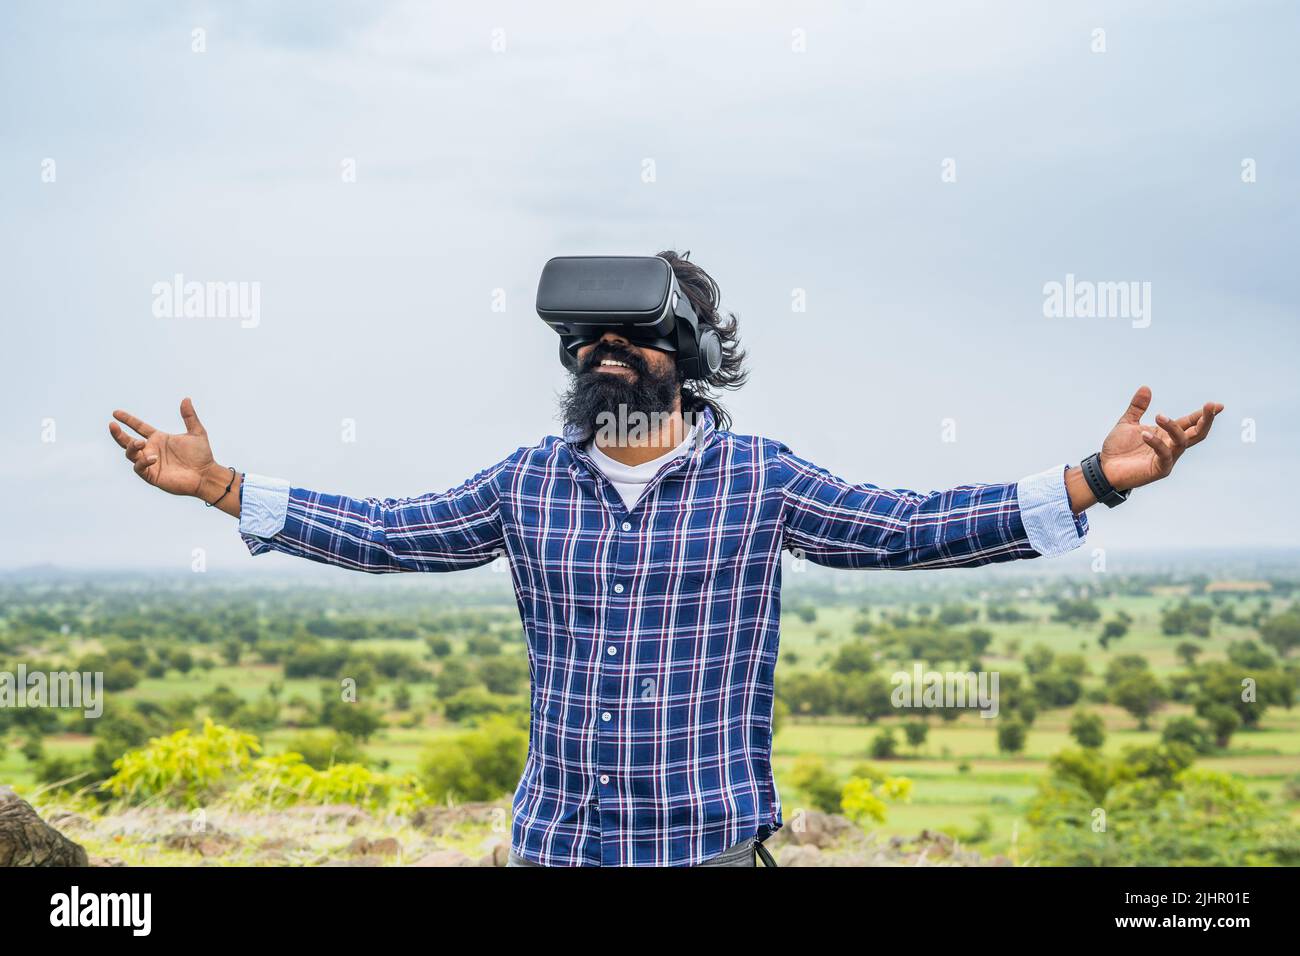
(958, 774)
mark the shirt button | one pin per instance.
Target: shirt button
(606, 716)
(627, 526)
(611, 650)
(618, 589)
(604, 778)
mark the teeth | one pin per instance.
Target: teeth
(614, 363)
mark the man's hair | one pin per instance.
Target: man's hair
(705, 297)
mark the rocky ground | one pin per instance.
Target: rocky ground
(475, 834)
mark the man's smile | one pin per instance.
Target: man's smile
(614, 366)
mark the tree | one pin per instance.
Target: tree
(1223, 721)
(1159, 811)
(1140, 693)
(503, 674)
(1054, 689)
(1249, 656)
(454, 677)
(884, 745)
(1088, 729)
(1189, 732)
(120, 675)
(1076, 611)
(349, 717)
(1112, 630)
(1188, 652)
(1249, 693)
(1187, 618)
(1011, 735)
(917, 731)
(1038, 658)
(1282, 632)
(854, 658)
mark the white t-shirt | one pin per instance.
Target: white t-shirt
(630, 480)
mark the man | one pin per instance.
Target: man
(646, 566)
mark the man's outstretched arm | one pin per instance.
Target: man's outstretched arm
(460, 528)
(833, 522)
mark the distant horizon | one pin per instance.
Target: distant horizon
(1144, 561)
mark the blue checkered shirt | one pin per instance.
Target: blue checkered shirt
(652, 632)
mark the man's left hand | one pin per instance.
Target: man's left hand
(1135, 454)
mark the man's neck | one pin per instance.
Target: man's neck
(658, 441)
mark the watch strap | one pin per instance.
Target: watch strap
(1101, 487)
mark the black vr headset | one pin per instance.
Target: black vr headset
(582, 297)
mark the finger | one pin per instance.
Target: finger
(144, 464)
(119, 436)
(1190, 419)
(1163, 452)
(1202, 427)
(1175, 432)
(130, 421)
(134, 449)
(1138, 406)
(192, 424)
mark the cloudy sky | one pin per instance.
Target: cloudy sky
(915, 173)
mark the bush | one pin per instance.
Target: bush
(884, 745)
(813, 778)
(1088, 729)
(481, 765)
(1011, 735)
(321, 749)
(1189, 732)
(183, 768)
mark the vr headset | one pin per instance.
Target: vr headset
(582, 297)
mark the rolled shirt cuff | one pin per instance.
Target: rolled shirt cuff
(263, 506)
(1052, 527)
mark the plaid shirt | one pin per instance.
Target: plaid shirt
(652, 633)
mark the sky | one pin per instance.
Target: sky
(883, 192)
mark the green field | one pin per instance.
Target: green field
(959, 776)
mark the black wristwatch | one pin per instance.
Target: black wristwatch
(1101, 487)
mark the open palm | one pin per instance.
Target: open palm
(1135, 454)
(176, 463)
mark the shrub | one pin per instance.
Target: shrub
(481, 765)
(183, 768)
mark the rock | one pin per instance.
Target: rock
(27, 840)
(207, 842)
(497, 853)
(65, 820)
(386, 846)
(805, 855)
(285, 844)
(343, 813)
(814, 828)
(444, 858)
(357, 861)
(437, 820)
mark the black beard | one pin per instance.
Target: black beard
(593, 395)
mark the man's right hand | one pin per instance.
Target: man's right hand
(181, 464)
